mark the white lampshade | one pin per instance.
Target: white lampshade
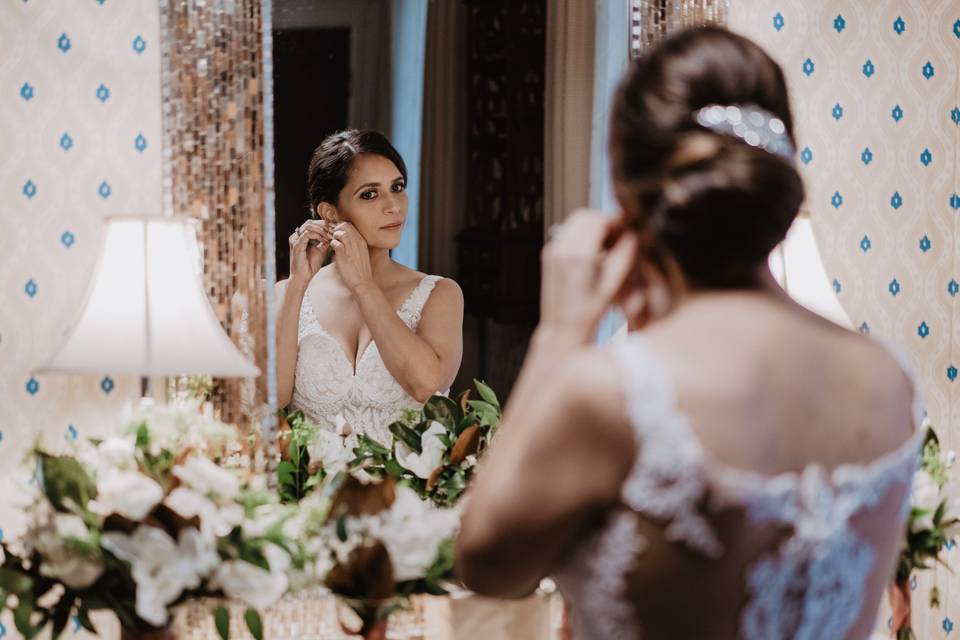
(147, 312)
(797, 266)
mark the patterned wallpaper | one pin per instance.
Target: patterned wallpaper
(80, 131)
(875, 87)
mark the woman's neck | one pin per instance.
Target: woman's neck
(380, 263)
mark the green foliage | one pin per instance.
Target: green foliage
(254, 624)
(443, 410)
(294, 477)
(221, 618)
(65, 482)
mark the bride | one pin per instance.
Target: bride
(738, 467)
(362, 339)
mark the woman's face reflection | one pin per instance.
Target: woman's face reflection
(374, 200)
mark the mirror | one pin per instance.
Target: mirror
(458, 90)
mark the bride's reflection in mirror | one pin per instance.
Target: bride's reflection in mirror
(361, 337)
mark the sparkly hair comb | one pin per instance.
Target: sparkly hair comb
(755, 126)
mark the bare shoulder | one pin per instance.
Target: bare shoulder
(885, 376)
(589, 406)
(446, 295)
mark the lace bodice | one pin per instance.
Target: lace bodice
(812, 586)
(325, 384)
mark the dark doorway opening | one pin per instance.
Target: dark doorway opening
(311, 95)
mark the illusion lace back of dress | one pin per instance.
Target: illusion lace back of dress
(812, 586)
(325, 384)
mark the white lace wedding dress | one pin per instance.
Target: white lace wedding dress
(811, 587)
(326, 386)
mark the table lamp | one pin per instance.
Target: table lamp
(147, 312)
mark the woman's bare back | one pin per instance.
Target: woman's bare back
(762, 388)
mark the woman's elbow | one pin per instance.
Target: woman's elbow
(474, 567)
(422, 389)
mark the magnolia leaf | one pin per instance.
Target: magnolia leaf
(373, 445)
(367, 574)
(14, 582)
(466, 444)
(143, 436)
(221, 618)
(434, 476)
(394, 469)
(406, 435)
(65, 479)
(354, 498)
(21, 619)
(83, 619)
(487, 393)
(939, 513)
(61, 614)
(443, 410)
(488, 413)
(254, 623)
(462, 400)
(469, 420)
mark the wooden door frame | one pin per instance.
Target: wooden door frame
(369, 24)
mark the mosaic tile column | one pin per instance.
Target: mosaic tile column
(214, 158)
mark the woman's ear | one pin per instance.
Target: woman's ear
(326, 211)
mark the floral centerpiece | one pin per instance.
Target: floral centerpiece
(379, 519)
(140, 522)
(434, 451)
(933, 522)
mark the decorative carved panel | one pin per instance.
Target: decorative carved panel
(499, 250)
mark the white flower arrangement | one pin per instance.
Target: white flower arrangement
(141, 522)
(934, 520)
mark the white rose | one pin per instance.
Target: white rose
(432, 450)
(206, 477)
(118, 453)
(127, 493)
(925, 495)
(253, 585)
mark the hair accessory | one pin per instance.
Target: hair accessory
(755, 126)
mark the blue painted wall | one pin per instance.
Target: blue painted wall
(610, 60)
(407, 47)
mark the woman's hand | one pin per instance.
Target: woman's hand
(353, 256)
(308, 246)
(584, 268)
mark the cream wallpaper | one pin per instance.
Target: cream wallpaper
(80, 139)
(875, 88)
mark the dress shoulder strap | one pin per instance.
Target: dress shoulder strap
(668, 478)
(412, 308)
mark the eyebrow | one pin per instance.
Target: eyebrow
(376, 184)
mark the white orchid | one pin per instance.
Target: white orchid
(255, 586)
(330, 449)
(412, 531)
(204, 476)
(216, 521)
(431, 453)
(127, 493)
(119, 453)
(161, 568)
(924, 495)
(176, 425)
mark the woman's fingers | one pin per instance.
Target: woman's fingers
(304, 239)
(586, 229)
(617, 265)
